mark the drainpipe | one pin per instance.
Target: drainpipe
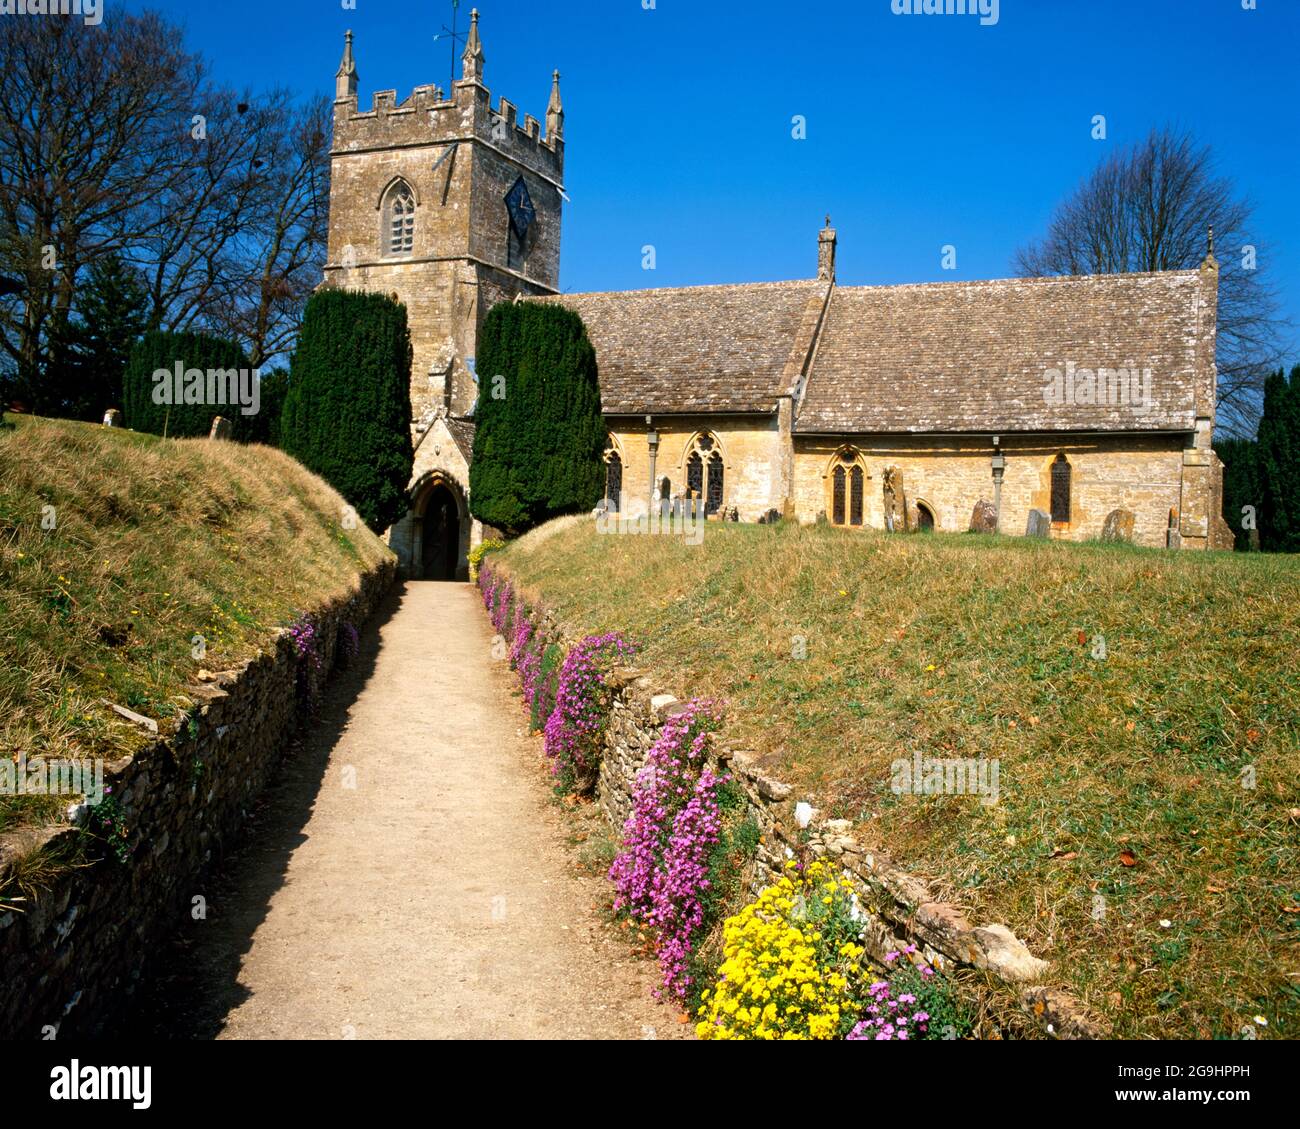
(652, 439)
(999, 469)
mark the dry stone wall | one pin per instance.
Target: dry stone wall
(74, 958)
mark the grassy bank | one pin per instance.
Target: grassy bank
(116, 551)
(1145, 838)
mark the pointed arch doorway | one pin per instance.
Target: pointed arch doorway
(443, 528)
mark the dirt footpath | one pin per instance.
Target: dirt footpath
(409, 878)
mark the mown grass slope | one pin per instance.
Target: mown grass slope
(117, 550)
(1146, 835)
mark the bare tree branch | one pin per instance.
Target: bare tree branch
(1149, 208)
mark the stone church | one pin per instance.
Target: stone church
(885, 407)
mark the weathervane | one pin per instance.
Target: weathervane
(455, 37)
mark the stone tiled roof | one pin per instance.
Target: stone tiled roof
(462, 433)
(701, 348)
(952, 357)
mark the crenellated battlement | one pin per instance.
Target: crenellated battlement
(430, 117)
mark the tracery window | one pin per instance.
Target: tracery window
(705, 473)
(848, 489)
(399, 220)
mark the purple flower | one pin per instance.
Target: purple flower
(575, 730)
(663, 870)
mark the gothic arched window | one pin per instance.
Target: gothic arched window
(848, 488)
(1061, 472)
(613, 480)
(705, 474)
(399, 220)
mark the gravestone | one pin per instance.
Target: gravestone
(221, 428)
(1118, 526)
(1039, 525)
(984, 518)
(112, 418)
(895, 501)
(1174, 535)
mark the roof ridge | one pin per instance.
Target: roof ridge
(1029, 280)
(686, 289)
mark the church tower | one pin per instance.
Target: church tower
(449, 205)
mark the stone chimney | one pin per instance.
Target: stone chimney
(826, 253)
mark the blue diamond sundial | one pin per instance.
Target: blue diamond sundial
(522, 212)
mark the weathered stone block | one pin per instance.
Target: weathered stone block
(984, 518)
(1039, 524)
(1118, 526)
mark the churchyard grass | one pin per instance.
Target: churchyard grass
(1144, 708)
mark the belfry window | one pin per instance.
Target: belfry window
(705, 474)
(399, 220)
(1061, 472)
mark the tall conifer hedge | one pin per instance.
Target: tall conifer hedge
(1278, 460)
(540, 434)
(1240, 485)
(1264, 473)
(347, 413)
(162, 350)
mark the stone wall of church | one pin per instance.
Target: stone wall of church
(950, 475)
(539, 257)
(751, 449)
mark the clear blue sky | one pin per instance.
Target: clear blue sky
(922, 130)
